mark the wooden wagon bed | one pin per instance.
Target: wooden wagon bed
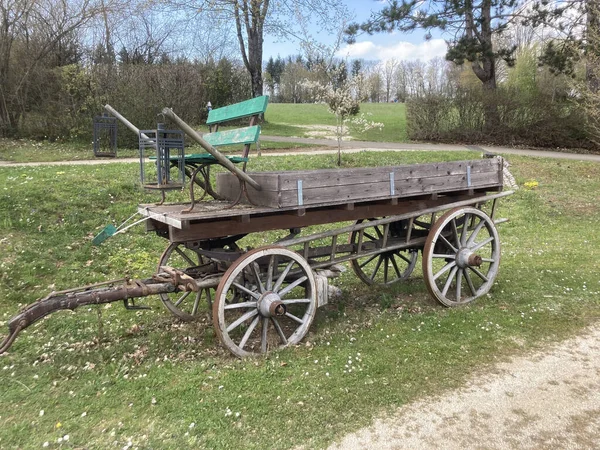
(304, 198)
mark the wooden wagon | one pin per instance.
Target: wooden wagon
(379, 220)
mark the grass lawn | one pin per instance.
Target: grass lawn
(23, 151)
(107, 377)
(286, 119)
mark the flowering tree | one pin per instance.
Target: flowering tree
(339, 94)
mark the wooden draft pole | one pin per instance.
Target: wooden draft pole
(243, 176)
(125, 122)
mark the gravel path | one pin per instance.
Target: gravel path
(549, 400)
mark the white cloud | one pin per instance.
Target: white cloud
(400, 50)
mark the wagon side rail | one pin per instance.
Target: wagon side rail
(350, 251)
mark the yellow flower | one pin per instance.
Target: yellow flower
(532, 184)
(58, 424)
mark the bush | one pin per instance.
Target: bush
(536, 119)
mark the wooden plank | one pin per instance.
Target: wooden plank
(282, 181)
(247, 135)
(344, 189)
(240, 110)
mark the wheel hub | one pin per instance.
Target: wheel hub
(466, 258)
(270, 305)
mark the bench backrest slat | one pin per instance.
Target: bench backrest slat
(247, 135)
(240, 110)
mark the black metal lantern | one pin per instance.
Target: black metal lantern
(166, 149)
(105, 136)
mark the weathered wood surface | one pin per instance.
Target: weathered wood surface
(211, 222)
(281, 189)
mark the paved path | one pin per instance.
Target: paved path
(549, 400)
(348, 146)
(330, 147)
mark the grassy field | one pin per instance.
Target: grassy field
(23, 151)
(303, 120)
(106, 377)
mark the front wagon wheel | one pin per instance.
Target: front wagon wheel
(266, 299)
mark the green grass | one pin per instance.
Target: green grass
(24, 151)
(286, 119)
(145, 378)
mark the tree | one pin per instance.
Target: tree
(473, 24)
(251, 18)
(33, 32)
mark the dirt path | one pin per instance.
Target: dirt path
(546, 400)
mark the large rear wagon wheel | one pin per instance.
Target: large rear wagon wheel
(266, 299)
(461, 256)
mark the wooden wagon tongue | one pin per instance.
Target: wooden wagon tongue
(168, 280)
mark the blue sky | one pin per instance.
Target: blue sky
(383, 46)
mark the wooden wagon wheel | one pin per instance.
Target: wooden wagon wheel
(384, 268)
(461, 256)
(266, 299)
(185, 305)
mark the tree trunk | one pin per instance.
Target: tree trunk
(252, 14)
(593, 45)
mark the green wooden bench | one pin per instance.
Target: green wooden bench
(200, 163)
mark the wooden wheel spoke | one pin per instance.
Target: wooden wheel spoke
(372, 238)
(482, 244)
(395, 266)
(378, 231)
(249, 332)
(368, 261)
(449, 281)
(240, 305)
(295, 301)
(386, 261)
(186, 257)
(294, 318)
(377, 266)
(470, 283)
(256, 295)
(284, 274)
(270, 270)
(455, 232)
(279, 331)
(459, 277)
(242, 319)
(403, 257)
(263, 336)
(475, 232)
(464, 230)
(291, 286)
(479, 274)
(447, 242)
(196, 302)
(443, 256)
(254, 266)
(182, 298)
(444, 269)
